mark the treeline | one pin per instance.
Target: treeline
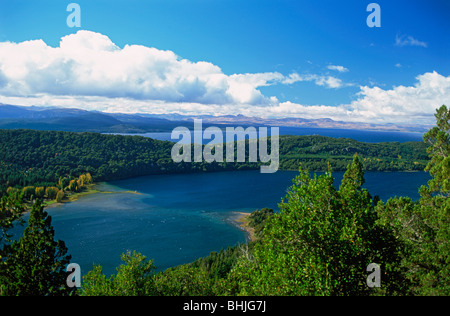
(317, 152)
(65, 185)
(40, 158)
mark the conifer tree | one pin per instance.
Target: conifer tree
(36, 263)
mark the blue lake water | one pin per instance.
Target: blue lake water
(360, 135)
(176, 219)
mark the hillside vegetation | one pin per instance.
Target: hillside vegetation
(40, 158)
(322, 241)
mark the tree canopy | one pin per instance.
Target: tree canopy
(36, 263)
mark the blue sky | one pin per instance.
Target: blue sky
(276, 58)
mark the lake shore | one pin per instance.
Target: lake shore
(73, 196)
(240, 219)
(88, 190)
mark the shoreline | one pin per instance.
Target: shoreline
(240, 219)
(90, 189)
(73, 196)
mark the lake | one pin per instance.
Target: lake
(175, 219)
(360, 135)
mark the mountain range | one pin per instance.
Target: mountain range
(76, 120)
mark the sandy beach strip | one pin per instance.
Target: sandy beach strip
(240, 219)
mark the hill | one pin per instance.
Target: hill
(30, 157)
(76, 120)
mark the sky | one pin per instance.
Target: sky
(263, 58)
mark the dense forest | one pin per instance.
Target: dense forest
(320, 243)
(40, 158)
(317, 152)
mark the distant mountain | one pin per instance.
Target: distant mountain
(76, 120)
(241, 120)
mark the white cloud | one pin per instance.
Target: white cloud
(404, 40)
(330, 82)
(402, 104)
(90, 64)
(324, 81)
(413, 103)
(338, 68)
(87, 70)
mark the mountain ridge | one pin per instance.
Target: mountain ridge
(72, 119)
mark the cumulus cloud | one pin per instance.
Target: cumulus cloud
(401, 104)
(417, 102)
(90, 64)
(88, 71)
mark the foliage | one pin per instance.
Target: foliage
(51, 192)
(39, 192)
(316, 153)
(423, 228)
(184, 280)
(438, 139)
(10, 212)
(134, 277)
(259, 218)
(320, 243)
(35, 264)
(59, 196)
(46, 158)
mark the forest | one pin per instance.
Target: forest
(320, 242)
(40, 158)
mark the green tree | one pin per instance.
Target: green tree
(51, 192)
(28, 192)
(320, 243)
(258, 219)
(63, 182)
(184, 280)
(438, 141)
(73, 186)
(423, 227)
(134, 278)
(36, 263)
(59, 196)
(14, 193)
(88, 178)
(10, 211)
(39, 192)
